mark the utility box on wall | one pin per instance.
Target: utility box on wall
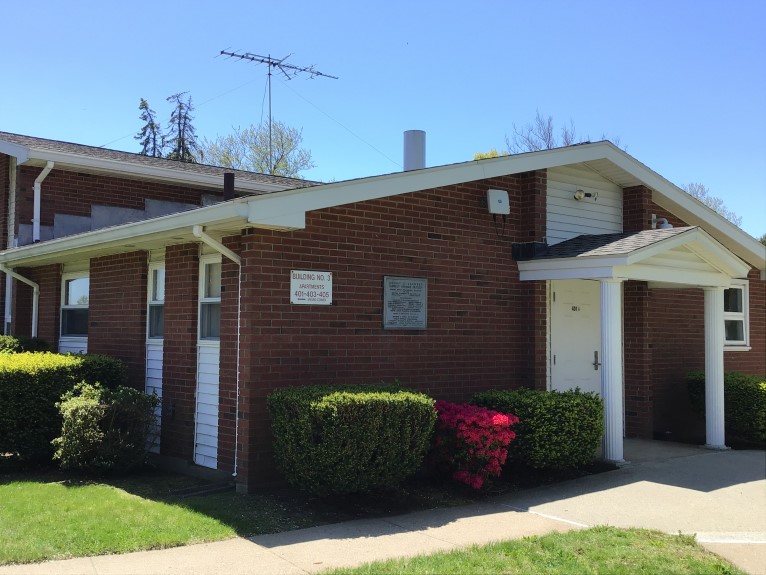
(498, 202)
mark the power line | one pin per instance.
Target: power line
(290, 71)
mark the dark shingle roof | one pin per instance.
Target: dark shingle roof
(608, 244)
(139, 160)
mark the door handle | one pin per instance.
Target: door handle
(596, 362)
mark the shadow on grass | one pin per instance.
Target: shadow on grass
(285, 508)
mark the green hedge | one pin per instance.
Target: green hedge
(105, 430)
(556, 430)
(349, 439)
(30, 386)
(19, 344)
(744, 403)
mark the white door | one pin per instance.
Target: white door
(575, 335)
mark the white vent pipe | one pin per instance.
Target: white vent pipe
(37, 199)
(414, 150)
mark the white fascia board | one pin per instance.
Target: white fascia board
(567, 273)
(582, 263)
(263, 208)
(21, 153)
(170, 175)
(220, 217)
(669, 196)
(680, 276)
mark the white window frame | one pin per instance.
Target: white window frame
(66, 277)
(154, 303)
(204, 261)
(743, 316)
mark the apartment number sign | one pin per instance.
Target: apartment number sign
(405, 303)
(310, 287)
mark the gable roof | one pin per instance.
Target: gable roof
(592, 245)
(287, 209)
(37, 151)
(685, 256)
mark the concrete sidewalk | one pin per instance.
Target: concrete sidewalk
(719, 495)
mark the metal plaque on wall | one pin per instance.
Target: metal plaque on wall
(405, 303)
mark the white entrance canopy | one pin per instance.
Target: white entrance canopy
(676, 257)
(683, 257)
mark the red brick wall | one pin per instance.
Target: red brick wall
(754, 361)
(5, 183)
(533, 204)
(180, 350)
(227, 408)
(479, 335)
(4, 187)
(638, 360)
(117, 311)
(49, 280)
(677, 324)
(637, 209)
(73, 193)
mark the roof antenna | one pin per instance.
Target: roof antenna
(288, 70)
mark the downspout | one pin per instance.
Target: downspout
(35, 294)
(37, 200)
(199, 233)
(10, 243)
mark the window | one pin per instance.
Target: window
(75, 299)
(210, 299)
(735, 312)
(156, 301)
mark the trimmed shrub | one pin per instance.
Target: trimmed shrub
(350, 439)
(471, 442)
(19, 344)
(556, 430)
(30, 386)
(104, 369)
(744, 399)
(105, 430)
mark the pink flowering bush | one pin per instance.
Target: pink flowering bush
(471, 442)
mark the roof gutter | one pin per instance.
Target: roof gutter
(35, 294)
(38, 199)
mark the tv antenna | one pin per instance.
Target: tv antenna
(288, 70)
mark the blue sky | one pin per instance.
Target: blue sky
(681, 83)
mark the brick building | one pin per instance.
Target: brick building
(574, 267)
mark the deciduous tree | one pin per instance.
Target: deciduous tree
(248, 149)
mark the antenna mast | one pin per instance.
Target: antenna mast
(288, 70)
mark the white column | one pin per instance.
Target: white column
(611, 368)
(714, 339)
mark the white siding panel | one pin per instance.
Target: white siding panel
(568, 218)
(73, 345)
(206, 416)
(154, 385)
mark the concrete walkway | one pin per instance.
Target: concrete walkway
(718, 495)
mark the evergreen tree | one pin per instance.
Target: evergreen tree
(150, 135)
(181, 137)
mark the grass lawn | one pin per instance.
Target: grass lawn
(52, 515)
(601, 550)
